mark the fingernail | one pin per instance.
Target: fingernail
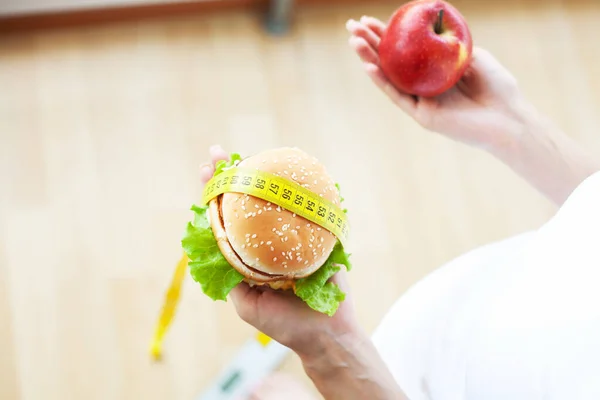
(350, 23)
(205, 168)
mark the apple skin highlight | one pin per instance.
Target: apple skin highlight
(421, 56)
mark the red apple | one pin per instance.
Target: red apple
(425, 48)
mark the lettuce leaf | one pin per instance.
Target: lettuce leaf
(316, 291)
(222, 165)
(207, 265)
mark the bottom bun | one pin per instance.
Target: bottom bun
(251, 276)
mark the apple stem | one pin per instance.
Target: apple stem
(438, 24)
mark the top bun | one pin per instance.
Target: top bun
(265, 242)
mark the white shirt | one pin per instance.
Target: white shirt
(514, 320)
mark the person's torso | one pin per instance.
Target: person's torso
(518, 319)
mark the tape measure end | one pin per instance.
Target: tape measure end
(155, 351)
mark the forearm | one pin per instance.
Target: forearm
(547, 158)
(350, 368)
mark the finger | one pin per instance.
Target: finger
(364, 51)
(360, 30)
(374, 24)
(341, 279)
(217, 153)
(206, 172)
(244, 299)
(405, 101)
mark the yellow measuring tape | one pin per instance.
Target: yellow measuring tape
(282, 192)
(269, 187)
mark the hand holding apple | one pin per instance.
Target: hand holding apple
(426, 47)
(485, 108)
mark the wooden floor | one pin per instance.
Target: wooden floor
(102, 131)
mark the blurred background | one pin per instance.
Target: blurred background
(107, 109)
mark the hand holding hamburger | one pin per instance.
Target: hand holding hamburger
(238, 237)
(319, 307)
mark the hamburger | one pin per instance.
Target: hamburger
(238, 237)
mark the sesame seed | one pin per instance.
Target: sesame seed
(237, 216)
(274, 229)
(272, 248)
(268, 243)
(322, 240)
(256, 206)
(298, 227)
(259, 212)
(279, 219)
(253, 236)
(255, 246)
(318, 229)
(285, 172)
(306, 262)
(244, 208)
(294, 215)
(243, 246)
(274, 258)
(315, 182)
(247, 235)
(262, 242)
(247, 240)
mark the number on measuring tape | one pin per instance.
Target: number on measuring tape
(287, 194)
(274, 188)
(310, 206)
(299, 200)
(260, 183)
(322, 212)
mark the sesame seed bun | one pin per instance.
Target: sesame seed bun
(267, 243)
